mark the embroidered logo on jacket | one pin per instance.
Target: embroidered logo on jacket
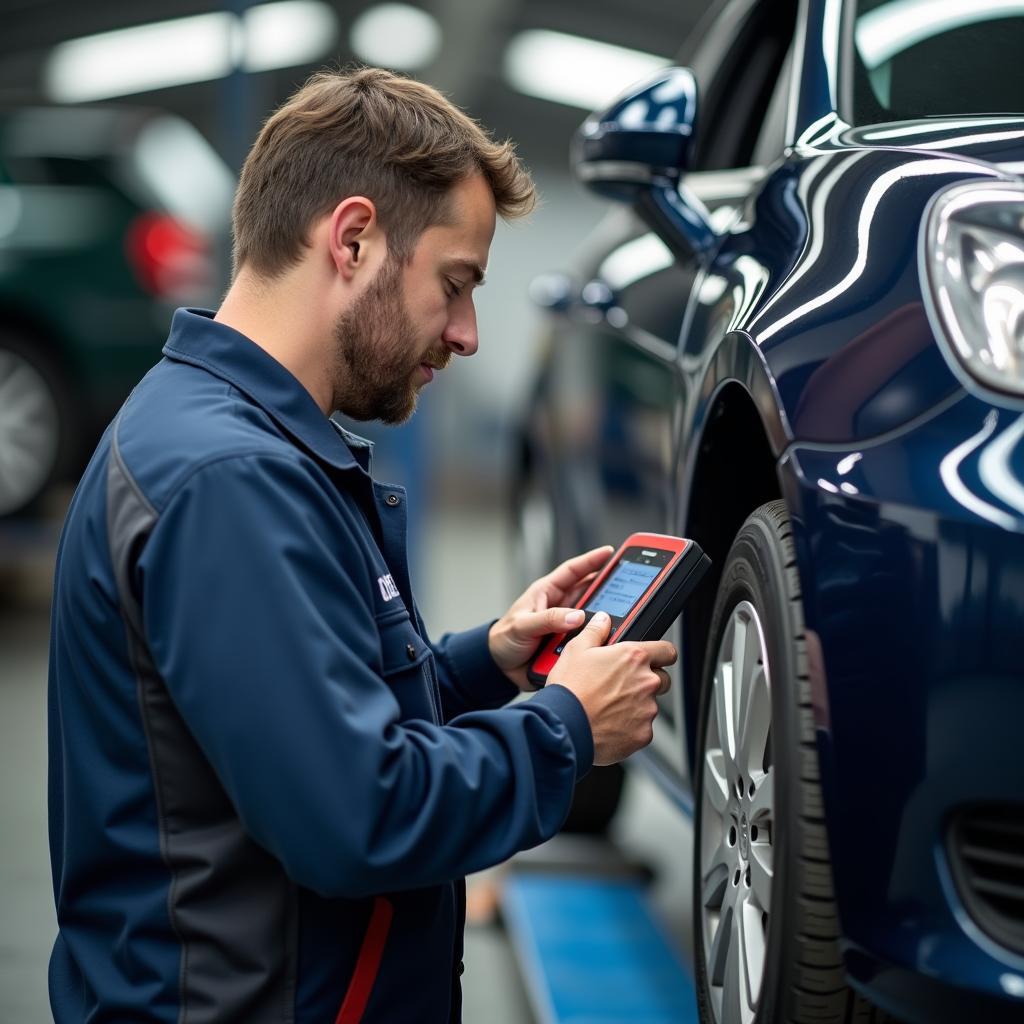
(388, 590)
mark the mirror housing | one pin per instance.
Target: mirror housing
(638, 149)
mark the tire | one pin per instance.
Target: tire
(33, 430)
(765, 921)
(598, 794)
(534, 527)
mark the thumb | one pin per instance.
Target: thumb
(594, 634)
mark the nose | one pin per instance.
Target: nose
(460, 335)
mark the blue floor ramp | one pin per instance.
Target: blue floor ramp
(591, 952)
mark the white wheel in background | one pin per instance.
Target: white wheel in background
(30, 427)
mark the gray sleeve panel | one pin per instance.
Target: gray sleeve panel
(230, 904)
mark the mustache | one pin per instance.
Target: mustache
(439, 358)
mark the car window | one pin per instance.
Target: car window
(187, 176)
(916, 58)
(44, 169)
(771, 142)
(738, 81)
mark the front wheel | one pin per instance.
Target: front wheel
(764, 914)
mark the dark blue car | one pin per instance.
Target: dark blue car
(798, 337)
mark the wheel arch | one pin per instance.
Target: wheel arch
(737, 436)
(30, 326)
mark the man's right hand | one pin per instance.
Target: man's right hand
(616, 685)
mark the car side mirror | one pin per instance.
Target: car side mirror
(637, 151)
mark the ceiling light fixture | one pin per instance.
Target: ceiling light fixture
(396, 36)
(193, 49)
(288, 33)
(572, 70)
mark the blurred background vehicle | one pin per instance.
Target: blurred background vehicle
(797, 339)
(109, 219)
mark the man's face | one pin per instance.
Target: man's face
(411, 319)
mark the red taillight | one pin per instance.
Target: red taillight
(170, 259)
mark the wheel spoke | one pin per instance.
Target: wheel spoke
(724, 716)
(745, 652)
(735, 983)
(716, 784)
(20, 459)
(762, 804)
(755, 724)
(721, 943)
(752, 946)
(761, 873)
(716, 877)
(738, 658)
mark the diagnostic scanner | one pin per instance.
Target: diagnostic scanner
(642, 588)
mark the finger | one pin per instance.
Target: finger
(547, 620)
(594, 634)
(665, 681)
(659, 652)
(581, 588)
(570, 572)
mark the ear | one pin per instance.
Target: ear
(352, 223)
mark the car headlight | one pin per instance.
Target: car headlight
(974, 270)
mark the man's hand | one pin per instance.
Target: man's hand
(616, 685)
(541, 610)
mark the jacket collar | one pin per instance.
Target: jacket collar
(198, 339)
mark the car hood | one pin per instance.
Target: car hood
(997, 139)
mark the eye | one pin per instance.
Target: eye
(453, 289)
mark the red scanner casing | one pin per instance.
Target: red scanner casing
(652, 612)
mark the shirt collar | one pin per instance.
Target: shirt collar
(198, 339)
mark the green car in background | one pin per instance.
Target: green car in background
(109, 219)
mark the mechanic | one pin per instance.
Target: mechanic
(265, 783)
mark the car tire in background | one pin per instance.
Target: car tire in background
(534, 524)
(598, 794)
(34, 422)
(765, 923)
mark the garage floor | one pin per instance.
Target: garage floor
(648, 828)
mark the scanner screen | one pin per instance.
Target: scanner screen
(623, 589)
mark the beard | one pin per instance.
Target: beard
(376, 353)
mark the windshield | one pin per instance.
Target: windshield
(928, 58)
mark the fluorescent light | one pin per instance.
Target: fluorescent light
(193, 49)
(141, 58)
(288, 33)
(573, 70)
(886, 31)
(396, 36)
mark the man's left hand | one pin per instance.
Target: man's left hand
(541, 610)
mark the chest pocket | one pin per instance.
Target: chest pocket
(404, 665)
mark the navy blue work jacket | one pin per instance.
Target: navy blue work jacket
(265, 782)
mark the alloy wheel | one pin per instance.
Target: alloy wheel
(737, 821)
(29, 431)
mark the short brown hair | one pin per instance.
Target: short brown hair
(363, 131)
